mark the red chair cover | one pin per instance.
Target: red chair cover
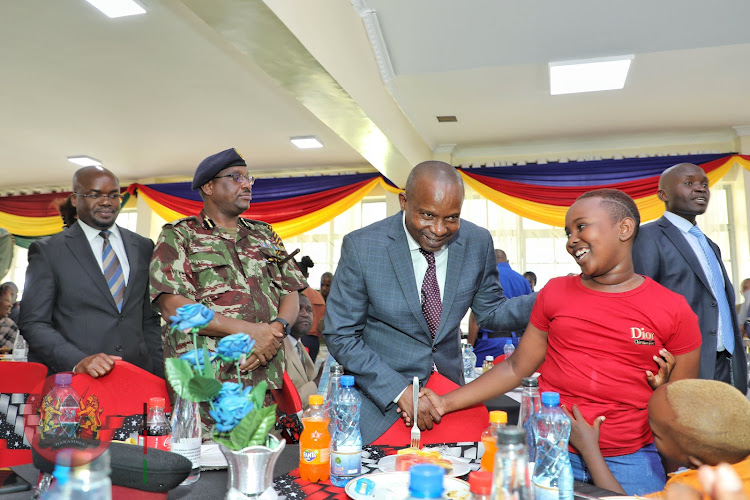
(18, 378)
(287, 398)
(460, 426)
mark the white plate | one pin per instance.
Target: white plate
(395, 486)
(460, 467)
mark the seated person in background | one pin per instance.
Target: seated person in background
(695, 422)
(312, 339)
(299, 365)
(489, 343)
(15, 310)
(8, 329)
(531, 278)
(742, 308)
(595, 337)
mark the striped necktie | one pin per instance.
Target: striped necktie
(112, 270)
(716, 279)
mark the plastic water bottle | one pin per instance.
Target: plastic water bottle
(315, 442)
(20, 349)
(334, 382)
(346, 442)
(426, 481)
(79, 475)
(186, 435)
(470, 361)
(508, 348)
(531, 402)
(63, 397)
(511, 476)
(553, 475)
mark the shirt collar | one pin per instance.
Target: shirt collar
(680, 223)
(92, 233)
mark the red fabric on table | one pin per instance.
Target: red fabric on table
(459, 426)
(17, 377)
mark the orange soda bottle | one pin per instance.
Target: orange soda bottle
(489, 439)
(315, 442)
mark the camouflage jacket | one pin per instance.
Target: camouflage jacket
(240, 277)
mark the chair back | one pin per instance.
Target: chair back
(17, 380)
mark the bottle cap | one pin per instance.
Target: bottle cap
(551, 398)
(498, 417)
(315, 399)
(511, 435)
(480, 482)
(156, 403)
(63, 378)
(426, 480)
(347, 380)
(508, 341)
(489, 358)
(337, 369)
(530, 382)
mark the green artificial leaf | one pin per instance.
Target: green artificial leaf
(179, 373)
(223, 438)
(202, 388)
(240, 435)
(258, 395)
(267, 418)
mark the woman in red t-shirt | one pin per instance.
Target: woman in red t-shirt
(595, 339)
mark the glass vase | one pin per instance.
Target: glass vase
(186, 435)
(251, 469)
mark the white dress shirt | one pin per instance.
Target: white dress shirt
(419, 262)
(684, 226)
(97, 244)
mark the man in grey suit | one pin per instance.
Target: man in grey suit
(85, 302)
(379, 325)
(674, 252)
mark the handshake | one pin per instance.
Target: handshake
(430, 408)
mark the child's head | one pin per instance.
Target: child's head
(699, 422)
(601, 227)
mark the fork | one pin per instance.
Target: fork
(416, 434)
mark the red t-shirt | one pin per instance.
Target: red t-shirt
(599, 346)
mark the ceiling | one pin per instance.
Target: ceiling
(152, 95)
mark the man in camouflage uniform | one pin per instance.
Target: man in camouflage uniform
(237, 267)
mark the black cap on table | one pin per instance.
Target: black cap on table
(214, 164)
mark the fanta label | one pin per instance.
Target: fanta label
(315, 456)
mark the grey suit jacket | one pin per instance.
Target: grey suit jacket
(662, 253)
(68, 312)
(301, 373)
(374, 324)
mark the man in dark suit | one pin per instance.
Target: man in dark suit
(379, 325)
(674, 252)
(85, 302)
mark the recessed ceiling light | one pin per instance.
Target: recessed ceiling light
(85, 161)
(588, 75)
(306, 142)
(447, 118)
(117, 8)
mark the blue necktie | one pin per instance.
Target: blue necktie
(112, 270)
(716, 278)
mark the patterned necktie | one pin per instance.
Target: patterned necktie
(432, 306)
(112, 270)
(716, 279)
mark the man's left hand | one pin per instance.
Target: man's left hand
(427, 412)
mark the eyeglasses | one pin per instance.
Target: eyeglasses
(100, 196)
(239, 178)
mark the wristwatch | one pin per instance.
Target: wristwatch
(284, 323)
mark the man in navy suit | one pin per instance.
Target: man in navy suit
(674, 252)
(73, 318)
(400, 291)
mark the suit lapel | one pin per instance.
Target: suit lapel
(398, 252)
(678, 239)
(452, 275)
(81, 250)
(131, 250)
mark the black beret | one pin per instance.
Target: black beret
(214, 164)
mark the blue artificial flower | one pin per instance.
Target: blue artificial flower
(233, 347)
(229, 411)
(191, 316)
(195, 357)
(233, 389)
